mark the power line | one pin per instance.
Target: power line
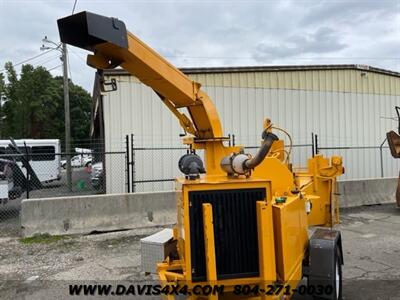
(73, 9)
(47, 60)
(77, 55)
(68, 56)
(29, 59)
(51, 69)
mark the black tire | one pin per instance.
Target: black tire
(339, 265)
(337, 283)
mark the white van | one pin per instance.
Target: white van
(44, 156)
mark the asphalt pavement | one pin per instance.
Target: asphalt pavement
(371, 242)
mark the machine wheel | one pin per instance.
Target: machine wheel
(336, 283)
(338, 275)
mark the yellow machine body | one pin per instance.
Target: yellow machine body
(282, 228)
(232, 229)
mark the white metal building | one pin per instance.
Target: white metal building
(346, 105)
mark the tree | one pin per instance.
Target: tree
(34, 106)
(9, 93)
(80, 110)
(31, 100)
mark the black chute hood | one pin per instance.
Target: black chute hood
(86, 30)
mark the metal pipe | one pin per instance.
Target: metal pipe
(241, 164)
(381, 154)
(133, 164)
(312, 144)
(127, 163)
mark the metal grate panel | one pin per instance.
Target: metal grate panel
(235, 232)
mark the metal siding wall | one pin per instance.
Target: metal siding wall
(339, 118)
(317, 80)
(135, 108)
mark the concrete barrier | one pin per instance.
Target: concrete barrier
(85, 214)
(367, 191)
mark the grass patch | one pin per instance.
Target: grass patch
(42, 239)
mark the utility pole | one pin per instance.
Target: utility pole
(67, 116)
(1, 113)
(63, 49)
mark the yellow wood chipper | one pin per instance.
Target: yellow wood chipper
(246, 225)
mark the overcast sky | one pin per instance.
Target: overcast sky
(218, 33)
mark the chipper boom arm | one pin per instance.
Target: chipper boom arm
(114, 46)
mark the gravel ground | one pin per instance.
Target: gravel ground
(21, 260)
(371, 241)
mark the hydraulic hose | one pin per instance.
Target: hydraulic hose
(269, 139)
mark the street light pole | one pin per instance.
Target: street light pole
(67, 116)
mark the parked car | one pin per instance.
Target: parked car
(97, 176)
(78, 161)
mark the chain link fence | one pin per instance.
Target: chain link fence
(41, 172)
(363, 162)
(155, 169)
